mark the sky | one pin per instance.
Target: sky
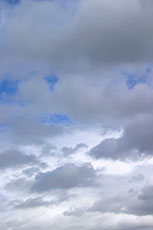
(76, 114)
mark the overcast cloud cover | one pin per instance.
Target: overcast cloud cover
(76, 114)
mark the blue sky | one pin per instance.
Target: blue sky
(51, 80)
(8, 88)
(134, 79)
(13, 1)
(49, 119)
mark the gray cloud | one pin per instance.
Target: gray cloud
(86, 222)
(95, 48)
(137, 178)
(33, 131)
(3, 204)
(64, 177)
(147, 4)
(100, 32)
(135, 143)
(69, 150)
(74, 212)
(31, 171)
(134, 203)
(14, 158)
(19, 185)
(31, 203)
(98, 105)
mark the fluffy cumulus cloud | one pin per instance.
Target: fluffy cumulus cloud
(76, 92)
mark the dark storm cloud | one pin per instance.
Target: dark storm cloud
(64, 177)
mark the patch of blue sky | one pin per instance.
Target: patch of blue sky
(22, 103)
(65, 4)
(8, 88)
(13, 1)
(134, 79)
(60, 118)
(51, 80)
(148, 69)
(3, 126)
(71, 4)
(56, 119)
(69, 7)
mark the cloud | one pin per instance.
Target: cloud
(74, 73)
(31, 203)
(133, 203)
(15, 158)
(74, 212)
(69, 150)
(100, 33)
(147, 4)
(95, 104)
(135, 143)
(31, 171)
(33, 131)
(3, 204)
(121, 208)
(18, 185)
(137, 178)
(64, 177)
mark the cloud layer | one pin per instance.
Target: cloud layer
(76, 92)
